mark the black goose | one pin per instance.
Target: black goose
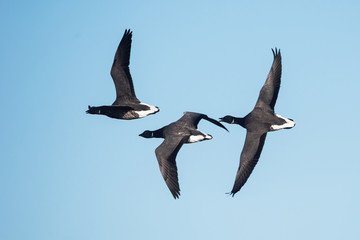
(126, 105)
(258, 122)
(176, 134)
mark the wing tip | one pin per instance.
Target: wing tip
(214, 121)
(276, 52)
(230, 194)
(176, 194)
(128, 32)
(127, 38)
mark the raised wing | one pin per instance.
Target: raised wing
(120, 72)
(192, 119)
(166, 155)
(250, 155)
(269, 92)
(215, 122)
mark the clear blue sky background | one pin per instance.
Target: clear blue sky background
(68, 175)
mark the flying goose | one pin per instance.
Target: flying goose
(258, 122)
(176, 134)
(126, 105)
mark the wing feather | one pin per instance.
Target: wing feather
(166, 156)
(192, 119)
(270, 90)
(250, 155)
(120, 71)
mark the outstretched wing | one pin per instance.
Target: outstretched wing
(250, 155)
(120, 71)
(192, 119)
(214, 122)
(269, 92)
(166, 155)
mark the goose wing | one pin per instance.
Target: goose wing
(166, 155)
(120, 71)
(250, 155)
(269, 92)
(192, 119)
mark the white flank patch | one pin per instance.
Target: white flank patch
(145, 113)
(197, 138)
(288, 123)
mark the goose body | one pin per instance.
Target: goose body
(126, 105)
(175, 135)
(261, 120)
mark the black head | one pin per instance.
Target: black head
(228, 119)
(93, 110)
(147, 134)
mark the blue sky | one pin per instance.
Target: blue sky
(68, 175)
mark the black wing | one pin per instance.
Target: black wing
(120, 72)
(214, 122)
(166, 155)
(269, 92)
(250, 155)
(192, 119)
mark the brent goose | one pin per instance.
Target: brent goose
(176, 134)
(258, 122)
(126, 105)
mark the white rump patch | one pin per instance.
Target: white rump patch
(197, 138)
(288, 124)
(145, 113)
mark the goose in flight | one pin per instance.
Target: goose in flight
(176, 134)
(261, 120)
(126, 105)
